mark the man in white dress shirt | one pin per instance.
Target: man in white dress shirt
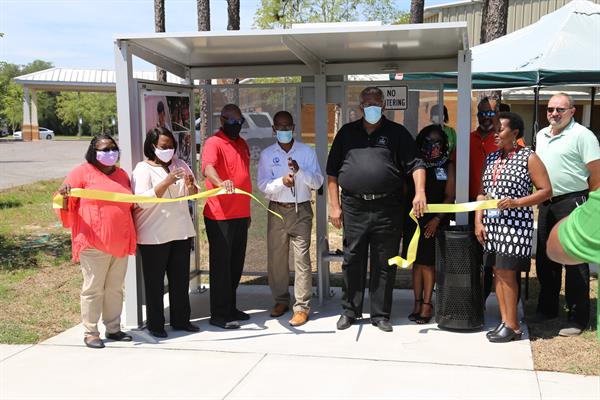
(287, 172)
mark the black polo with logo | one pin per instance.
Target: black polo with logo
(373, 163)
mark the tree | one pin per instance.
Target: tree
(203, 10)
(11, 94)
(233, 15)
(96, 109)
(159, 26)
(416, 11)
(284, 13)
(494, 18)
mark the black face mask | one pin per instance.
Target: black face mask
(232, 131)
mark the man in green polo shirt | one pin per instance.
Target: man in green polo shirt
(571, 155)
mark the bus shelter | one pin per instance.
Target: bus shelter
(324, 57)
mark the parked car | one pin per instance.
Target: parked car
(45, 133)
(257, 131)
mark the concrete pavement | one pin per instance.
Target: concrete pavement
(268, 359)
(27, 162)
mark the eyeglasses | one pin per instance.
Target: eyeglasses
(557, 109)
(488, 114)
(233, 121)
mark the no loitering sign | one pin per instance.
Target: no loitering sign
(395, 97)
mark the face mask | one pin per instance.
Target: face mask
(164, 155)
(232, 131)
(284, 137)
(435, 119)
(107, 158)
(372, 114)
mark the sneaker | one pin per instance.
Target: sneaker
(573, 330)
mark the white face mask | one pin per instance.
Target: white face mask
(164, 155)
(435, 119)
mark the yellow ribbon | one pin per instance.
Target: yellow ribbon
(57, 201)
(411, 253)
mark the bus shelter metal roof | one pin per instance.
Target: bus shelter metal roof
(314, 53)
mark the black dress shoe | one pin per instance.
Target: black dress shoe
(93, 342)
(383, 324)
(345, 322)
(159, 333)
(505, 334)
(188, 328)
(119, 336)
(221, 323)
(495, 330)
(240, 315)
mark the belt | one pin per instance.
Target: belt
(287, 205)
(556, 199)
(367, 196)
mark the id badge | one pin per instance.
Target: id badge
(492, 212)
(441, 174)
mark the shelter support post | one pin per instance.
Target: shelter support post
(130, 142)
(35, 129)
(321, 142)
(536, 104)
(26, 126)
(464, 130)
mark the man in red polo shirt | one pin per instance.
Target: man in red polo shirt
(482, 143)
(226, 164)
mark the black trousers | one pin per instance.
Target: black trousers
(227, 251)
(374, 225)
(174, 259)
(549, 273)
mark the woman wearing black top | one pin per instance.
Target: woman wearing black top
(432, 144)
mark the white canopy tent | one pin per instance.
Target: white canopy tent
(319, 56)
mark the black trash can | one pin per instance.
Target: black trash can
(458, 268)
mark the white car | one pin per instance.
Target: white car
(45, 133)
(257, 131)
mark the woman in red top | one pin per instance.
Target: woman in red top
(102, 235)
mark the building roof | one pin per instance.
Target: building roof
(307, 51)
(81, 79)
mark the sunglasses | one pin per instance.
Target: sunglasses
(488, 114)
(233, 121)
(557, 109)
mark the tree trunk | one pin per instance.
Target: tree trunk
(203, 9)
(493, 27)
(233, 24)
(233, 15)
(416, 11)
(159, 26)
(484, 13)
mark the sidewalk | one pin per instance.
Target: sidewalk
(268, 359)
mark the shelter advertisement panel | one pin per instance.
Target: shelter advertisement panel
(171, 112)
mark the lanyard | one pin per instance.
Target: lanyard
(496, 170)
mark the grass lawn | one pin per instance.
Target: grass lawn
(39, 286)
(577, 355)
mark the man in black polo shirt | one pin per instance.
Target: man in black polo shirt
(370, 159)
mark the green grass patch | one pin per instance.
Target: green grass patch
(39, 285)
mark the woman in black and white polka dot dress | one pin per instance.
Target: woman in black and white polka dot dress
(506, 233)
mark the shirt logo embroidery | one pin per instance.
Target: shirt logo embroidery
(382, 140)
(276, 160)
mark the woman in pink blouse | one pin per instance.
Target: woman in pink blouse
(102, 235)
(164, 231)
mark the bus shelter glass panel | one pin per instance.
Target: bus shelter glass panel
(258, 106)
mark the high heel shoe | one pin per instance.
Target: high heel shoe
(424, 320)
(413, 316)
(504, 335)
(495, 330)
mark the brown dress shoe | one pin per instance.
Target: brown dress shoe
(299, 318)
(279, 309)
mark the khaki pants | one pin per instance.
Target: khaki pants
(294, 231)
(102, 292)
